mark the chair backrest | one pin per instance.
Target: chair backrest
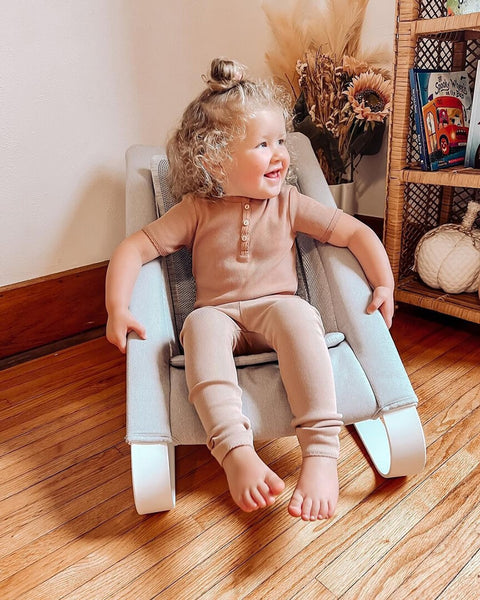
(179, 264)
(312, 282)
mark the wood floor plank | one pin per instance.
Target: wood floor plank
(313, 591)
(70, 399)
(439, 374)
(440, 566)
(422, 558)
(342, 573)
(31, 387)
(83, 433)
(62, 462)
(70, 531)
(410, 328)
(69, 582)
(62, 439)
(152, 576)
(449, 413)
(466, 583)
(93, 405)
(45, 496)
(56, 361)
(39, 550)
(438, 345)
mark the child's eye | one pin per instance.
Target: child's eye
(262, 145)
(281, 141)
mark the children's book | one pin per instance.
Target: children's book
(442, 104)
(462, 7)
(472, 152)
(417, 111)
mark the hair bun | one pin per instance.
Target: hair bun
(225, 74)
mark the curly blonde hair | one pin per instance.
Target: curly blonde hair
(200, 148)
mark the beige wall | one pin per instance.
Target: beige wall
(80, 82)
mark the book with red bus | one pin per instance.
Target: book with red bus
(442, 104)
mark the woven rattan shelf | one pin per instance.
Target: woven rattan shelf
(465, 306)
(418, 201)
(447, 24)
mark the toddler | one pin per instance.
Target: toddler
(228, 163)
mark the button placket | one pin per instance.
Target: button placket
(245, 230)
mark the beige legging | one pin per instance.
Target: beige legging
(293, 328)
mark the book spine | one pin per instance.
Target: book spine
(473, 141)
(419, 127)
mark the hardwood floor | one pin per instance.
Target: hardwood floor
(69, 529)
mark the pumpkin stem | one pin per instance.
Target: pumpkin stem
(469, 219)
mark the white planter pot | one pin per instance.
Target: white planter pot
(344, 196)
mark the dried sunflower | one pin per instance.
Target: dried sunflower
(369, 95)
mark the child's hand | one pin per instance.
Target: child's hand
(383, 301)
(119, 324)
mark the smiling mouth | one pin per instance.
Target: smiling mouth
(273, 174)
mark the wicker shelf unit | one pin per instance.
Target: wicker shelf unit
(418, 201)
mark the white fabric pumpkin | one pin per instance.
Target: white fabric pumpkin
(448, 257)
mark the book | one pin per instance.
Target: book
(462, 7)
(442, 104)
(417, 112)
(472, 152)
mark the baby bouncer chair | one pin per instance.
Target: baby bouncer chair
(373, 390)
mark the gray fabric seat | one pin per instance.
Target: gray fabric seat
(373, 390)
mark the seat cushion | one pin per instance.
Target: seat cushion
(245, 360)
(271, 417)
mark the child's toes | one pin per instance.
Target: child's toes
(274, 483)
(295, 506)
(258, 498)
(307, 509)
(247, 503)
(315, 511)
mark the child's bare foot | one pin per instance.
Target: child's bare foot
(252, 484)
(316, 494)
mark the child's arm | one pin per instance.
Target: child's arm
(371, 255)
(122, 273)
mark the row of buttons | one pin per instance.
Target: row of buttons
(245, 233)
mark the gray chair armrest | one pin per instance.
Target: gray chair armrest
(148, 373)
(367, 335)
(350, 293)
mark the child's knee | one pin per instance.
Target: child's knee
(297, 318)
(198, 317)
(204, 322)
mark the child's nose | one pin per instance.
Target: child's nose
(280, 153)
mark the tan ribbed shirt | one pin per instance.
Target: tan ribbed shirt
(242, 248)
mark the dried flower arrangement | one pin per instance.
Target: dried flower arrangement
(342, 94)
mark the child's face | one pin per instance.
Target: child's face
(260, 160)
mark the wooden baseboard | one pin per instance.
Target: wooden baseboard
(49, 309)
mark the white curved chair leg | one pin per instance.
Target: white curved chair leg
(153, 477)
(395, 442)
